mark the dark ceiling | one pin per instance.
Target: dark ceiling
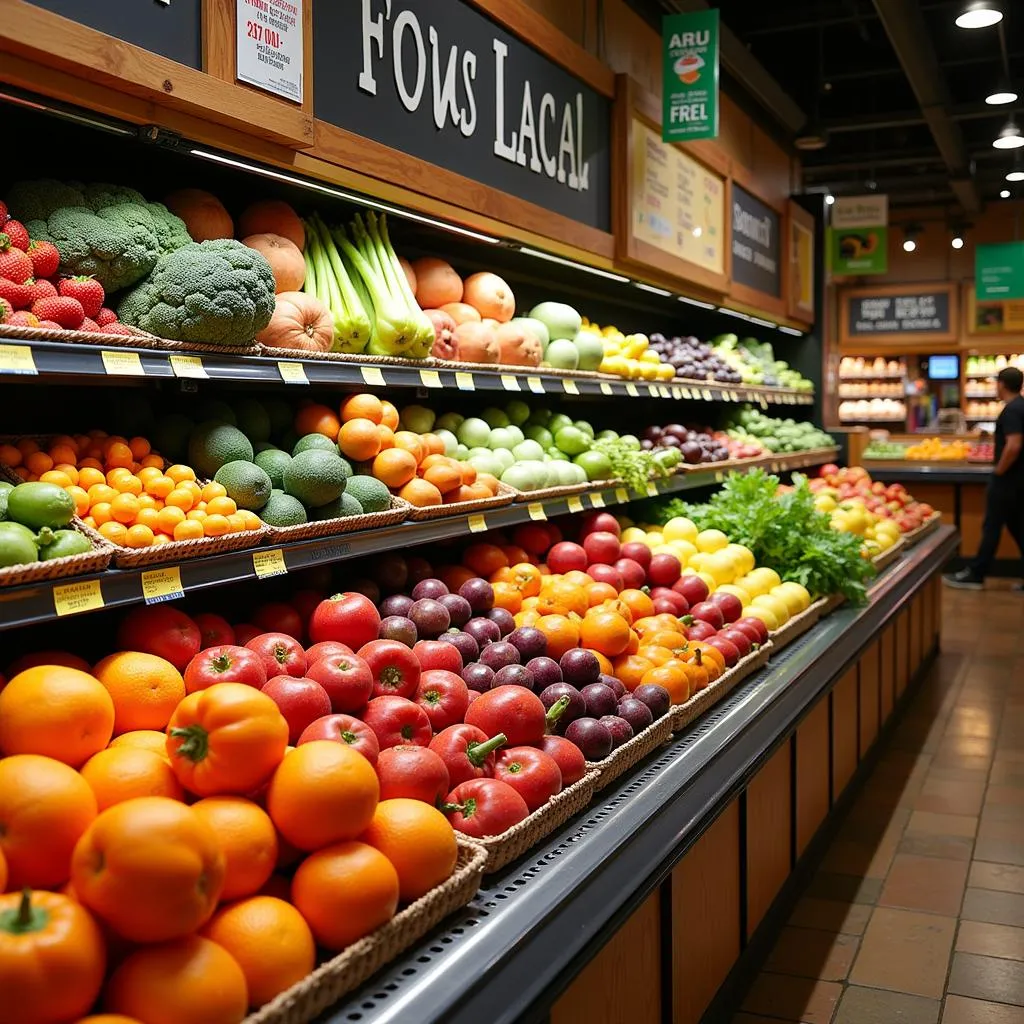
(899, 87)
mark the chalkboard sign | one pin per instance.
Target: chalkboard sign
(899, 313)
(174, 30)
(444, 83)
(756, 244)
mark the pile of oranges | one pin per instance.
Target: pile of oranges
(147, 836)
(123, 489)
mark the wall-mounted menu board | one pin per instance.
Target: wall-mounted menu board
(910, 314)
(992, 317)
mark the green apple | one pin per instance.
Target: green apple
(528, 451)
(474, 432)
(451, 442)
(565, 473)
(504, 458)
(495, 417)
(541, 435)
(462, 453)
(590, 347)
(517, 410)
(562, 354)
(538, 327)
(562, 321)
(540, 417)
(557, 421)
(631, 441)
(487, 463)
(585, 427)
(517, 435)
(595, 464)
(607, 435)
(572, 440)
(501, 438)
(449, 421)
(417, 418)
(557, 453)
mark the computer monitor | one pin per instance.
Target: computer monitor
(943, 367)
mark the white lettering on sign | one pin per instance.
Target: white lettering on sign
(686, 39)
(884, 315)
(268, 46)
(757, 229)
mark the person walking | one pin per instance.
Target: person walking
(1004, 504)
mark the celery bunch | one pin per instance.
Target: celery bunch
(331, 281)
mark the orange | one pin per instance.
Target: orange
(116, 533)
(124, 508)
(10, 456)
(139, 536)
(221, 506)
(213, 490)
(188, 530)
(148, 514)
(359, 440)
(63, 450)
(345, 891)
(159, 486)
(638, 603)
(630, 669)
(27, 446)
(121, 773)
(101, 493)
(444, 477)
(317, 419)
(271, 942)
(149, 473)
(152, 461)
(150, 867)
(322, 792)
(598, 593)
(563, 634)
(216, 526)
(81, 499)
(389, 416)
(148, 502)
(38, 462)
(670, 638)
(527, 579)
(139, 447)
(673, 677)
(142, 739)
(191, 979)
(108, 1018)
(145, 689)
(54, 476)
(394, 467)
(68, 469)
(249, 518)
(45, 807)
(56, 711)
(180, 473)
(198, 514)
(88, 477)
(367, 407)
(419, 842)
(507, 596)
(119, 455)
(657, 654)
(484, 559)
(246, 836)
(420, 493)
(128, 485)
(411, 443)
(168, 518)
(181, 498)
(559, 597)
(3, 871)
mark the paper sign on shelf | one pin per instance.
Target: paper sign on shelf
(510, 383)
(464, 381)
(569, 386)
(372, 376)
(536, 510)
(291, 372)
(477, 523)
(269, 563)
(269, 46)
(162, 585)
(188, 366)
(536, 385)
(72, 598)
(430, 379)
(17, 359)
(575, 503)
(597, 499)
(122, 364)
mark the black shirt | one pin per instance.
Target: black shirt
(1011, 421)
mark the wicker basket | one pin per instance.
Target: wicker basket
(336, 978)
(885, 558)
(398, 512)
(682, 715)
(504, 497)
(504, 849)
(136, 340)
(930, 525)
(798, 624)
(724, 466)
(57, 568)
(180, 550)
(564, 491)
(631, 752)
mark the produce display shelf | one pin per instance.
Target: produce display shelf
(53, 359)
(39, 602)
(933, 473)
(531, 928)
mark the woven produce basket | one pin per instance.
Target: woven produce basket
(57, 568)
(563, 491)
(398, 512)
(136, 340)
(682, 715)
(336, 978)
(504, 497)
(357, 359)
(885, 558)
(724, 466)
(504, 849)
(798, 624)
(632, 752)
(180, 550)
(930, 525)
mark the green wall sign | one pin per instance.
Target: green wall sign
(999, 271)
(689, 57)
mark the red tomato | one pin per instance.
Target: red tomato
(438, 654)
(349, 618)
(534, 775)
(161, 630)
(664, 570)
(305, 602)
(633, 574)
(394, 667)
(728, 649)
(569, 758)
(750, 623)
(301, 701)
(602, 573)
(244, 632)
(485, 807)
(566, 556)
(444, 696)
(397, 721)
(346, 678)
(602, 546)
(279, 617)
(753, 636)
(599, 522)
(467, 752)
(417, 773)
(225, 664)
(513, 710)
(668, 600)
(321, 650)
(344, 729)
(214, 630)
(282, 654)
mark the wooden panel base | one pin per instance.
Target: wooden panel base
(769, 853)
(845, 733)
(869, 685)
(902, 652)
(888, 672)
(812, 774)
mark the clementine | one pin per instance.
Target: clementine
(317, 419)
(364, 406)
(145, 689)
(359, 440)
(672, 675)
(142, 739)
(562, 633)
(248, 839)
(120, 773)
(605, 632)
(394, 467)
(629, 669)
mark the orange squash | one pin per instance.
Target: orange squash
(203, 213)
(461, 312)
(284, 257)
(491, 295)
(517, 346)
(476, 343)
(436, 283)
(272, 216)
(300, 321)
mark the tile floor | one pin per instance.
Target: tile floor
(916, 914)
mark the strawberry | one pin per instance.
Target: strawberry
(90, 325)
(38, 289)
(4, 215)
(50, 325)
(6, 309)
(22, 318)
(105, 316)
(14, 263)
(117, 328)
(87, 290)
(65, 310)
(16, 232)
(18, 295)
(45, 258)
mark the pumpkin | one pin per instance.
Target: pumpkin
(436, 283)
(203, 213)
(285, 259)
(444, 334)
(410, 274)
(489, 294)
(517, 346)
(300, 321)
(461, 312)
(272, 217)
(476, 343)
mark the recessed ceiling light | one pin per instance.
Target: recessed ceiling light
(910, 233)
(957, 242)
(829, 199)
(1000, 96)
(1009, 137)
(1005, 194)
(909, 245)
(979, 14)
(1015, 175)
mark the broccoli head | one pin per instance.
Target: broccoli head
(116, 246)
(171, 232)
(100, 195)
(219, 292)
(36, 200)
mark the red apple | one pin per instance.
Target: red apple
(566, 556)
(638, 551)
(214, 630)
(729, 604)
(700, 630)
(282, 654)
(705, 611)
(602, 547)
(747, 629)
(438, 654)
(633, 574)
(324, 648)
(757, 625)
(739, 639)
(729, 650)
(692, 587)
(305, 603)
(664, 570)
(300, 700)
(599, 522)
(674, 602)
(607, 574)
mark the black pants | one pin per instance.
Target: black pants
(1004, 506)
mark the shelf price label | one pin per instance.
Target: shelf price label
(269, 563)
(621, 494)
(73, 598)
(292, 372)
(652, 390)
(372, 376)
(719, 477)
(430, 379)
(569, 386)
(575, 503)
(762, 401)
(188, 366)
(536, 510)
(685, 393)
(677, 392)
(510, 383)
(17, 359)
(597, 500)
(122, 364)
(464, 381)
(606, 388)
(631, 390)
(707, 396)
(477, 523)
(535, 384)
(160, 585)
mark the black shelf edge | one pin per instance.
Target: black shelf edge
(53, 359)
(529, 931)
(34, 602)
(907, 472)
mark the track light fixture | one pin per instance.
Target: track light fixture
(1009, 137)
(979, 14)
(1004, 194)
(910, 233)
(999, 97)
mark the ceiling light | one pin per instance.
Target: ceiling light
(813, 136)
(829, 199)
(909, 245)
(979, 14)
(1000, 96)
(1009, 137)
(910, 233)
(1005, 194)
(1015, 175)
(957, 242)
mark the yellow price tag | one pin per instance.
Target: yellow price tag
(372, 376)
(762, 401)
(706, 395)
(430, 379)
(621, 494)
(575, 503)
(734, 396)
(631, 390)
(685, 393)
(292, 373)
(162, 585)
(122, 364)
(652, 489)
(597, 499)
(535, 384)
(606, 388)
(464, 381)
(775, 467)
(477, 523)
(510, 383)
(17, 359)
(269, 563)
(719, 477)
(188, 366)
(536, 510)
(652, 390)
(72, 598)
(677, 393)
(569, 386)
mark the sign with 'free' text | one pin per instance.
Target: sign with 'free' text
(689, 57)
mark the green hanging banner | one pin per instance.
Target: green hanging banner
(999, 270)
(689, 57)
